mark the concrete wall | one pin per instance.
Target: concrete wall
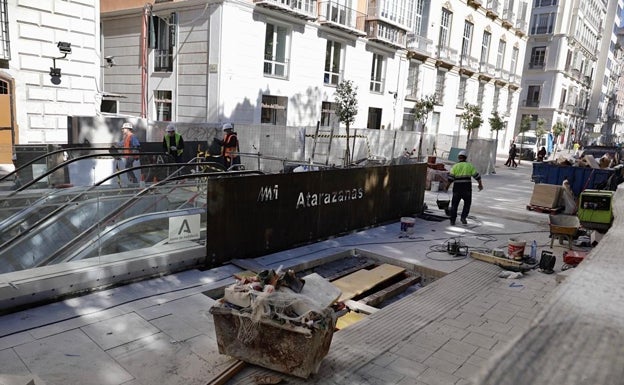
(35, 28)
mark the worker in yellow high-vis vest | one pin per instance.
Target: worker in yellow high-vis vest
(460, 177)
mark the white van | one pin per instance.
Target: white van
(529, 145)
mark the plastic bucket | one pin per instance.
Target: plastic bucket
(407, 224)
(516, 249)
(435, 185)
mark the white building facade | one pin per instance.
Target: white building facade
(561, 63)
(278, 63)
(34, 104)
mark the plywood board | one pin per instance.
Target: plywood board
(362, 280)
(349, 319)
(546, 195)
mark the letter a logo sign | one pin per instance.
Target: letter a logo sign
(184, 228)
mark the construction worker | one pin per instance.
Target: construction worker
(460, 176)
(230, 146)
(130, 144)
(173, 143)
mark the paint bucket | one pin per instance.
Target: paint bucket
(431, 159)
(407, 224)
(435, 185)
(516, 249)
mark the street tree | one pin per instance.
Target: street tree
(496, 124)
(346, 109)
(471, 119)
(421, 110)
(557, 129)
(525, 125)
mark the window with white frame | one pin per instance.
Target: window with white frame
(445, 28)
(163, 103)
(377, 73)
(162, 39)
(420, 25)
(481, 91)
(544, 3)
(5, 43)
(439, 87)
(543, 23)
(466, 40)
(485, 47)
(510, 98)
(500, 56)
(409, 120)
(496, 98)
(328, 115)
(514, 60)
(412, 80)
(461, 94)
(274, 110)
(333, 63)
(276, 50)
(538, 57)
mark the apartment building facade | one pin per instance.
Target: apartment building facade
(563, 50)
(601, 117)
(49, 69)
(278, 62)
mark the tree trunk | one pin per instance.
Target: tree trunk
(347, 152)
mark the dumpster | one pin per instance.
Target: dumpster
(284, 347)
(277, 320)
(580, 178)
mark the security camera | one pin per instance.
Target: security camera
(64, 47)
(55, 72)
(110, 61)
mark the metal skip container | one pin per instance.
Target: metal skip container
(282, 346)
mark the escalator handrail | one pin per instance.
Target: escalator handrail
(69, 161)
(127, 204)
(114, 175)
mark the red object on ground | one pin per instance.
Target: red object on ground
(573, 257)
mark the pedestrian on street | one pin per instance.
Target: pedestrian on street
(460, 177)
(511, 160)
(130, 144)
(173, 144)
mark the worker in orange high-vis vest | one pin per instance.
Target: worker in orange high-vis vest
(230, 146)
(131, 145)
(173, 144)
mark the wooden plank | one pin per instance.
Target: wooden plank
(229, 372)
(360, 307)
(349, 319)
(391, 291)
(503, 262)
(357, 283)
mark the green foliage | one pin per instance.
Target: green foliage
(346, 102)
(496, 123)
(558, 128)
(422, 108)
(525, 124)
(471, 118)
(540, 131)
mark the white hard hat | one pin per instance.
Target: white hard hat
(128, 125)
(227, 126)
(170, 128)
(462, 153)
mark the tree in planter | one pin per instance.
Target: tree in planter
(557, 130)
(421, 110)
(525, 125)
(346, 109)
(496, 124)
(471, 119)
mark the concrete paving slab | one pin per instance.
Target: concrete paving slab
(119, 330)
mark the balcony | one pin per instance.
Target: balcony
(335, 15)
(276, 67)
(487, 70)
(521, 27)
(446, 56)
(382, 32)
(468, 63)
(508, 17)
(492, 9)
(531, 103)
(419, 46)
(395, 19)
(332, 78)
(475, 3)
(303, 9)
